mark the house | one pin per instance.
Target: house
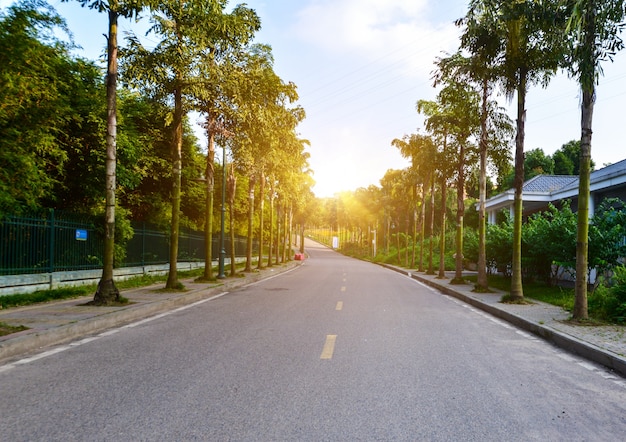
(538, 192)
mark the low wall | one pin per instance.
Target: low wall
(20, 284)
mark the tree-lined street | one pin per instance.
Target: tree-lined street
(337, 349)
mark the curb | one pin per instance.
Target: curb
(28, 343)
(561, 340)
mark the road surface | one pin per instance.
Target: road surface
(334, 350)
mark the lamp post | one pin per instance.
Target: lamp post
(221, 274)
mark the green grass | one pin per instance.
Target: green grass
(6, 329)
(562, 297)
(45, 296)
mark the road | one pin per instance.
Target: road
(336, 349)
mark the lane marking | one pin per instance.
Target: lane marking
(343, 288)
(339, 305)
(329, 347)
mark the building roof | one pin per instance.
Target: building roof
(549, 183)
(542, 189)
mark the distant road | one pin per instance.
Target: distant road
(335, 350)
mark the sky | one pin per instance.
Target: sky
(361, 66)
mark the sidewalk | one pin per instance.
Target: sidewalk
(605, 345)
(58, 322)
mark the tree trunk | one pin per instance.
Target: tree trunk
(422, 228)
(172, 278)
(516, 271)
(210, 193)
(271, 228)
(481, 281)
(250, 224)
(414, 243)
(460, 213)
(442, 233)
(431, 270)
(107, 292)
(261, 208)
(232, 187)
(287, 249)
(582, 234)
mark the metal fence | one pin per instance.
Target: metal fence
(55, 241)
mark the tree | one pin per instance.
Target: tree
(443, 119)
(595, 26)
(37, 73)
(567, 159)
(480, 39)
(461, 103)
(420, 149)
(536, 162)
(221, 68)
(168, 71)
(107, 292)
(531, 52)
(263, 116)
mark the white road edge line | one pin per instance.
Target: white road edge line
(271, 277)
(113, 331)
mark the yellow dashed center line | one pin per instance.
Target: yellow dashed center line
(329, 347)
(339, 305)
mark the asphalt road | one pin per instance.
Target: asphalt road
(336, 349)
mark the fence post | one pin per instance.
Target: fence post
(51, 243)
(143, 244)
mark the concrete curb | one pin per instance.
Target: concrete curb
(28, 343)
(570, 343)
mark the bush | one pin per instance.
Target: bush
(549, 242)
(609, 303)
(499, 246)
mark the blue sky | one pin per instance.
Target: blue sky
(360, 67)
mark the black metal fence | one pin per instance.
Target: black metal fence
(54, 241)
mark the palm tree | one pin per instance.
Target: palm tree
(420, 150)
(595, 27)
(107, 292)
(530, 54)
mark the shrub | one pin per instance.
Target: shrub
(609, 303)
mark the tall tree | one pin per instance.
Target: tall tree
(107, 292)
(263, 114)
(595, 26)
(480, 69)
(531, 52)
(462, 103)
(169, 71)
(35, 107)
(221, 68)
(442, 121)
(420, 149)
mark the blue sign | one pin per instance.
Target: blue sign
(81, 235)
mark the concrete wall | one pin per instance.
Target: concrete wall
(20, 284)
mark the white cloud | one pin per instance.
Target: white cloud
(398, 31)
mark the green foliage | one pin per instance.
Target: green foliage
(609, 303)
(607, 236)
(549, 242)
(499, 246)
(39, 87)
(470, 245)
(536, 162)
